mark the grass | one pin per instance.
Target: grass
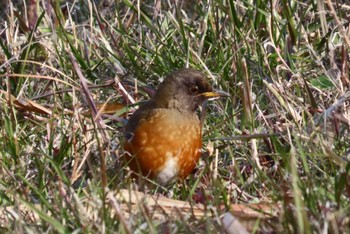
(282, 138)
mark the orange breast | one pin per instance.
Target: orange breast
(165, 145)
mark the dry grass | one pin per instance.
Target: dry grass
(281, 140)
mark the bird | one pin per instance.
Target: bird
(163, 137)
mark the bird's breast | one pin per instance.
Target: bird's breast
(165, 145)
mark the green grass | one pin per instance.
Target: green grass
(281, 138)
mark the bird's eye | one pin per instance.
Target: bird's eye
(194, 89)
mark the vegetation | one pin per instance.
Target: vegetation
(282, 138)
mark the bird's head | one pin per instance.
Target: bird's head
(185, 89)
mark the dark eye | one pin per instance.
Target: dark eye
(194, 89)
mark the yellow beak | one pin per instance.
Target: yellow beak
(215, 93)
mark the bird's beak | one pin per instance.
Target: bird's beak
(215, 93)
